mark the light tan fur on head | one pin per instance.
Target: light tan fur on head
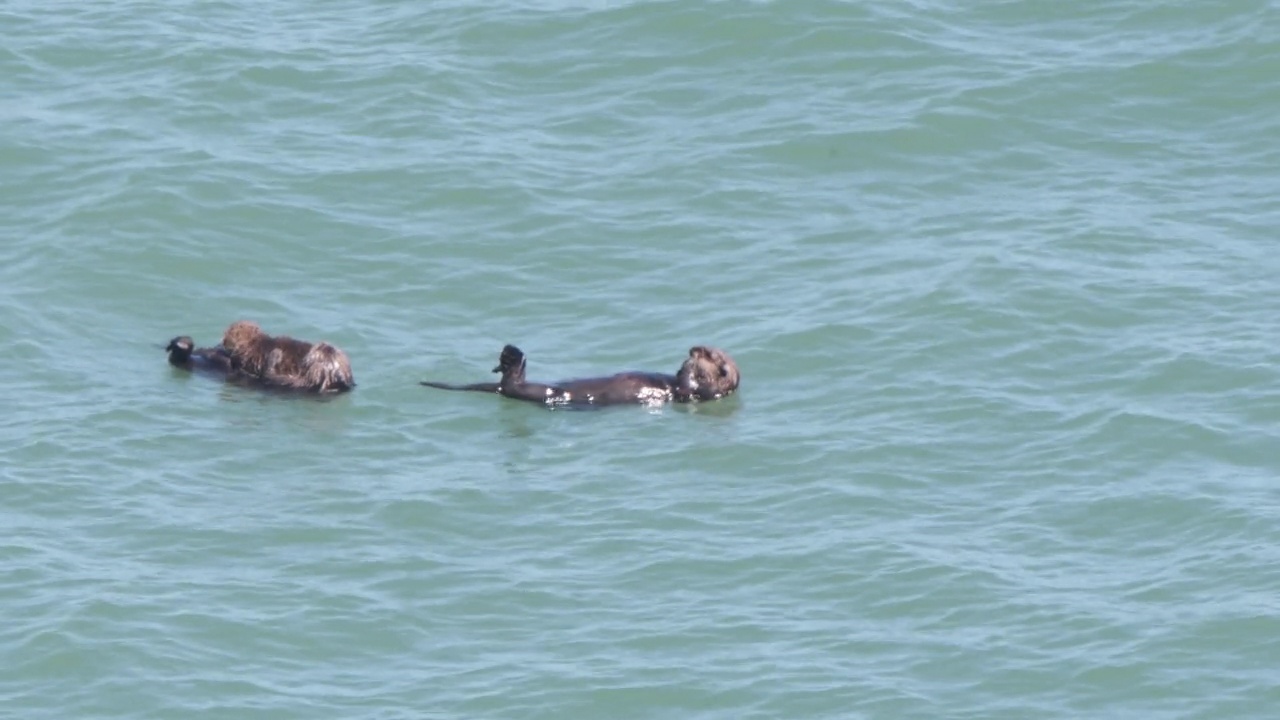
(707, 374)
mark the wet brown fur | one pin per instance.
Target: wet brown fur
(286, 362)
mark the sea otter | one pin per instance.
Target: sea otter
(282, 361)
(707, 374)
(184, 354)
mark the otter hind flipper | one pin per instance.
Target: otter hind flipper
(180, 349)
(184, 354)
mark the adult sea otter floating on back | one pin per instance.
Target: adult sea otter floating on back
(707, 374)
(278, 361)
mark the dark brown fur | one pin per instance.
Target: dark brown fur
(285, 362)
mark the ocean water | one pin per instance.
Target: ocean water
(1001, 278)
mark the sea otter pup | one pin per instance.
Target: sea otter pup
(184, 354)
(707, 374)
(284, 362)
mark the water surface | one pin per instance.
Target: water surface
(1000, 280)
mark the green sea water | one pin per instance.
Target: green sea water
(1001, 279)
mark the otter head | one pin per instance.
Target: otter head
(241, 335)
(708, 373)
(511, 364)
(180, 348)
(327, 369)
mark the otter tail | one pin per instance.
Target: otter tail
(473, 387)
